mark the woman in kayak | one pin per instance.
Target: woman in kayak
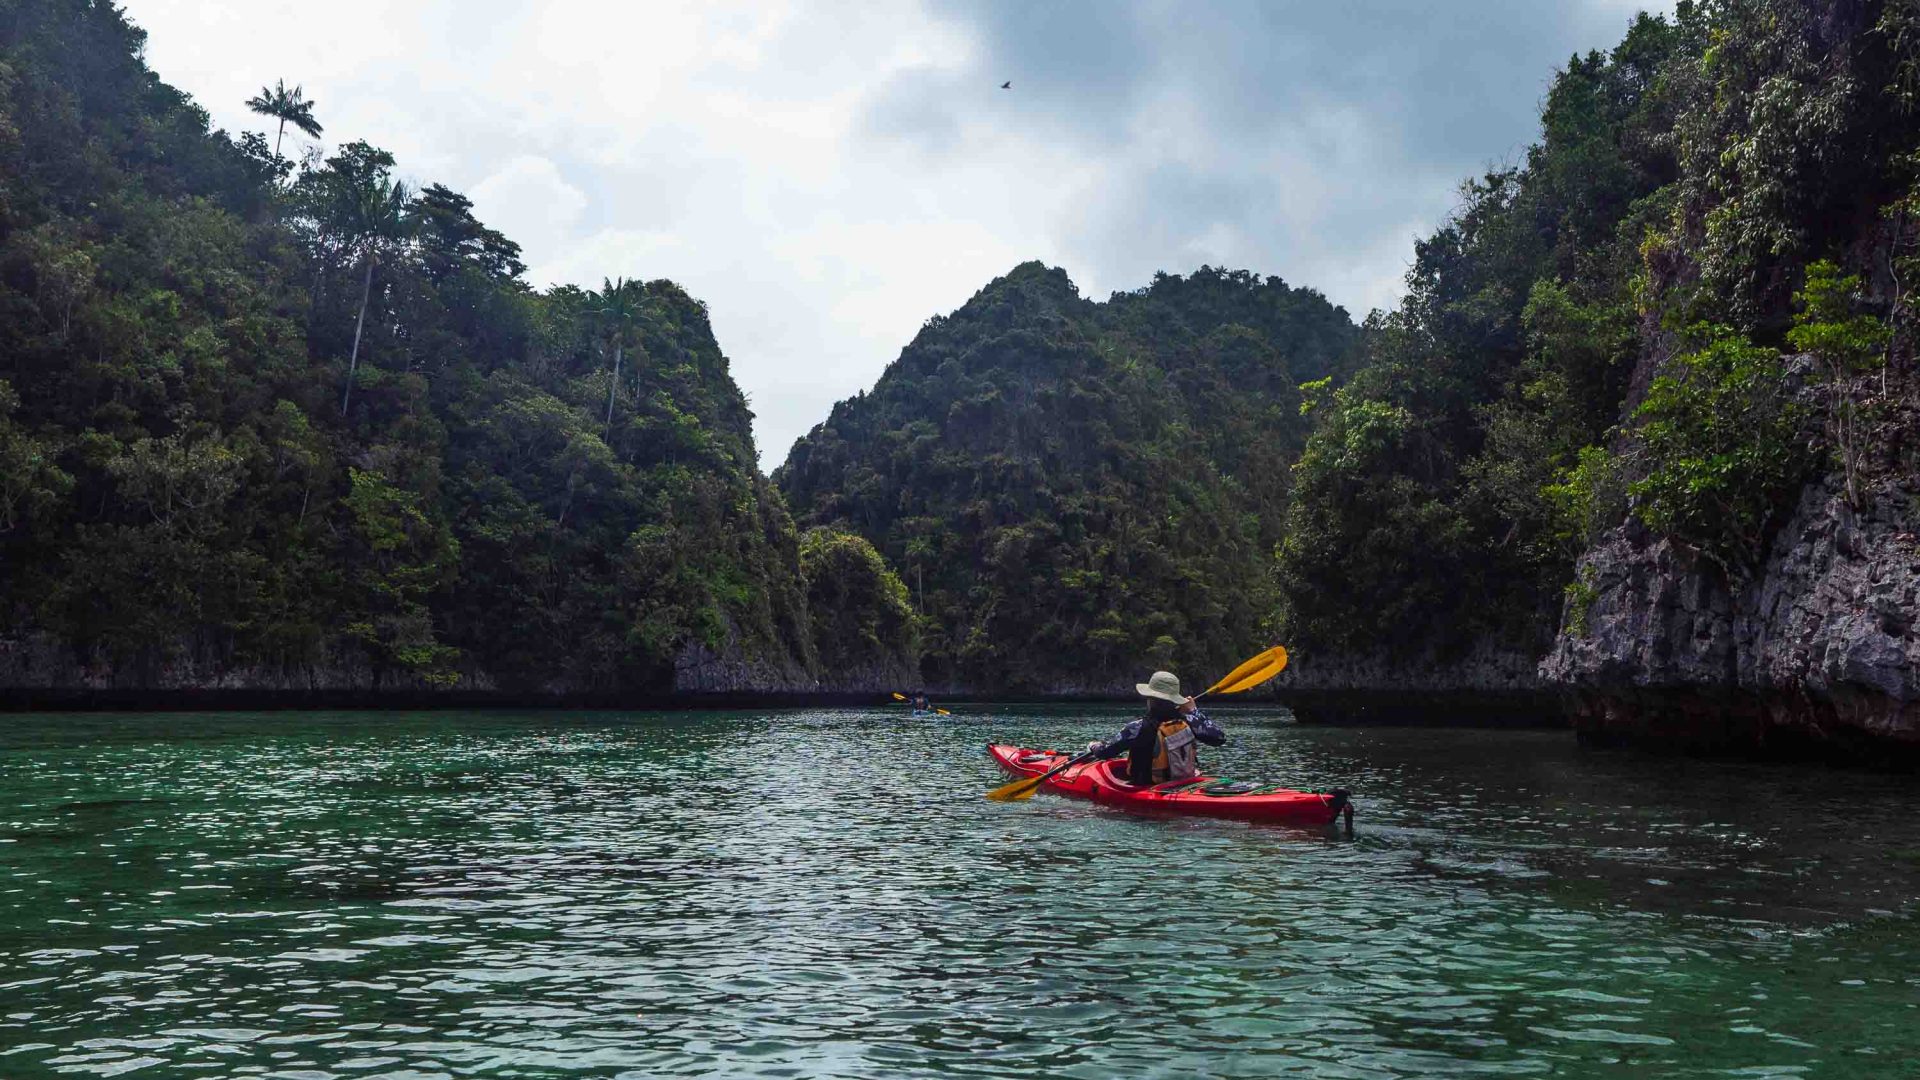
(1160, 745)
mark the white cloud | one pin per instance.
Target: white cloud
(529, 201)
(828, 175)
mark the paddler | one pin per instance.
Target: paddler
(1160, 746)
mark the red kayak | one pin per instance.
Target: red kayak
(1105, 782)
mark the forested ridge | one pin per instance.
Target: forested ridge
(268, 423)
(1073, 490)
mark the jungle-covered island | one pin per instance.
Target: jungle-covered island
(1641, 443)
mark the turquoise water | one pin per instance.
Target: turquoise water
(826, 894)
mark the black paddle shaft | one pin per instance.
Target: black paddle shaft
(1084, 755)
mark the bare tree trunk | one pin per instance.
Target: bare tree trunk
(1899, 298)
(612, 386)
(566, 504)
(353, 362)
(276, 138)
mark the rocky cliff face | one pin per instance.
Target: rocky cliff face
(1485, 667)
(1489, 683)
(733, 670)
(37, 670)
(37, 664)
(1819, 652)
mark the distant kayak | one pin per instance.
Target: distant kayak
(1105, 782)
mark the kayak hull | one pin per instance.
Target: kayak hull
(1104, 782)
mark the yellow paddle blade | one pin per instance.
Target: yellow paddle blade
(943, 712)
(1018, 791)
(898, 696)
(1254, 678)
(1247, 668)
(1253, 672)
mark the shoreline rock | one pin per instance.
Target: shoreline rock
(1816, 655)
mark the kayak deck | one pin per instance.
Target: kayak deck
(1105, 782)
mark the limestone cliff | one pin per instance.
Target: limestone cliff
(1818, 652)
(1486, 683)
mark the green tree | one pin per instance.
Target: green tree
(615, 310)
(1846, 344)
(379, 219)
(287, 107)
(1720, 448)
(31, 484)
(402, 556)
(859, 606)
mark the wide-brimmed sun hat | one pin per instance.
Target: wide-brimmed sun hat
(1163, 685)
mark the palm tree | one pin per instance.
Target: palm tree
(378, 218)
(616, 309)
(288, 106)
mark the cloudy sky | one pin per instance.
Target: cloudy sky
(827, 174)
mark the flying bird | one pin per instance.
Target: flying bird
(1008, 85)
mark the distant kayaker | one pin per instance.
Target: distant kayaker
(1160, 745)
(920, 703)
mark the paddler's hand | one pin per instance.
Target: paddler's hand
(1093, 746)
(1188, 705)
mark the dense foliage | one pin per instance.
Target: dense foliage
(860, 608)
(1419, 515)
(259, 417)
(309, 424)
(1718, 433)
(1075, 491)
(1602, 328)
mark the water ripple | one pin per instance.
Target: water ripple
(825, 894)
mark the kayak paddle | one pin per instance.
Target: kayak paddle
(1250, 674)
(898, 696)
(1022, 789)
(1245, 677)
